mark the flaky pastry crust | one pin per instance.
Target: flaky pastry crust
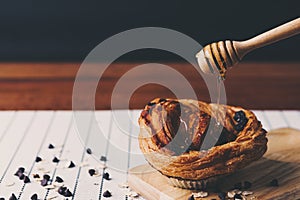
(175, 137)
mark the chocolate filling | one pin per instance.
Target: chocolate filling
(180, 129)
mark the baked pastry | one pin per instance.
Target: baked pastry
(193, 142)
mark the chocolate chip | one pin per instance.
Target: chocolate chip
(19, 174)
(274, 183)
(46, 177)
(222, 195)
(36, 176)
(44, 182)
(247, 185)
(151, 103)
(59, 179)
(68, 193)
(92, 172)
(51, 146)
(34, 197)
(38, 159)
(106, 176)
(64, 191)
(55, 160)
(162, 100)
(13, 197)
(240, 126)
(71, 165)
(103, 158)
(89, 151)
(20, 170)
(2, 198)
(61, 190)
(240, 117)
(22, 176)
(238, 186)
(107, 194)
(237, 197)
(191, 198)
(26, 179)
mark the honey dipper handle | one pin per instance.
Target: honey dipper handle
(279, 33)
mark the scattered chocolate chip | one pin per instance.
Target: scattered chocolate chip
(46, 177)
(51, 146)
(59, 179)
(64, 191)
(38, 159)
(68, 193)
(92, 172)
(20, 170)
(222, 195)
(103, 158)
(22, 176)
(34, 197)
(89, 151)
(61, 190)
(247, 185)
(107, 194)
(13, 197)
(36, 176)
(106, 176)
(44, 182)
(19, 174)
(55, 160)
(238, 197)
(238, 186)
(26, 179)
(274, 183)
(71, 165)
(191, 197)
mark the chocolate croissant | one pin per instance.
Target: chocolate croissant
(193, 142)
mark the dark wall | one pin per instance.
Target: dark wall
(68, 30)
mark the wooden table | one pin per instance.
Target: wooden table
(49, 85)
(24, 135)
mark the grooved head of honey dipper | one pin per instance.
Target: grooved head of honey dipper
(203, 63)
(217, 57)
(206, 61)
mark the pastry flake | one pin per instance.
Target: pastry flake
(193, 140)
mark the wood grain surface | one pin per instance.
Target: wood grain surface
(32, 86)
(281, 162)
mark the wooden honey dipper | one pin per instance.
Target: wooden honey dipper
(218, 57)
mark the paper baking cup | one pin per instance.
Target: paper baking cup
(192, 184)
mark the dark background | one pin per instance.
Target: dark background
(69, 30)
